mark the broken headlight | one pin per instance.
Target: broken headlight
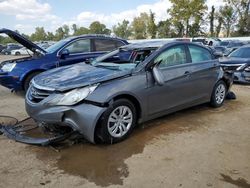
(8, 67)
(247, 69)
(72, 97)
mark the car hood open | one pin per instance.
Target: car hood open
(23, 41)
(75, 76)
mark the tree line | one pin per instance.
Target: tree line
(187, 18)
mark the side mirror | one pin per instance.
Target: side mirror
(64, 53)
(158, 76)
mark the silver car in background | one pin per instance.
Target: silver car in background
(106, 99)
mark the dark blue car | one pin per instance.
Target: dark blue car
(17, 74)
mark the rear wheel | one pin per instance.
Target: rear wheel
(219, 94)
(17, 53)
(28, 80)
(117, 122)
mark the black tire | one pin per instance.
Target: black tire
(103, 134)
(17, 53)
(26, 83)
(210, 43)
(215, 100)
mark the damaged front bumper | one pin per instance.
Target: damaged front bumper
(82, 117)
(28, 132)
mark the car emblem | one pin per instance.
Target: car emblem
(33, 92)
(46, 80)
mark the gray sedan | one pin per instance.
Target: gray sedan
(106, 99)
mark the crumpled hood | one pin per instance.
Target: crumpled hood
(23, 41)
(233, 60)
(74, 76)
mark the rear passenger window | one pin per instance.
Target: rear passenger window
(199, 54)
(106, 45)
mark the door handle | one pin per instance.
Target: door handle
(187, 73)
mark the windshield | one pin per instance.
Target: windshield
(122, 59)
(241, 53)
(57, 46)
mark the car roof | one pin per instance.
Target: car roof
(146, 44)
(103, 36)
(157, 44)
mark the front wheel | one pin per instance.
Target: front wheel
(219, 94)
(28, 80)
(117, 122)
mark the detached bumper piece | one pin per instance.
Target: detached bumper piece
(31, 133)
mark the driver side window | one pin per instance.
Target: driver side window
(173, 56)
(79, 46)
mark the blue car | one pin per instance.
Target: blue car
(16, 74)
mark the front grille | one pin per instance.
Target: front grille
(230, 67)
(36, 95)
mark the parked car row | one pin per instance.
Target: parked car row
(101, 87)
(238, 62)
(9, 48)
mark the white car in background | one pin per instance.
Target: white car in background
(21, 51)
(213, 41)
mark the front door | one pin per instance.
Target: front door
(175, 67)
(79, 51)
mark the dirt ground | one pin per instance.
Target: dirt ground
(195, 148)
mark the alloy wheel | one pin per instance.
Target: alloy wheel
(120, 121)
(220, 93)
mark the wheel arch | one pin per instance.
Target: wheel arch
(28, 74)
(134, 100)
(129, 97)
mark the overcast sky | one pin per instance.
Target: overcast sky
(25, 15)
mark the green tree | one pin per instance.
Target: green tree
(79, 30)
(219, 26)
(122, 30)
(139, 26)
(152, 28)
(74, 28)
(211, 19)
(82, 31)
(184, 11)
(164, 29)
(39, 34)
(98, 28)
(229, 18)
(242, 8)
(66, 30)
(6, 40)
(62, 32)
(50, 36)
